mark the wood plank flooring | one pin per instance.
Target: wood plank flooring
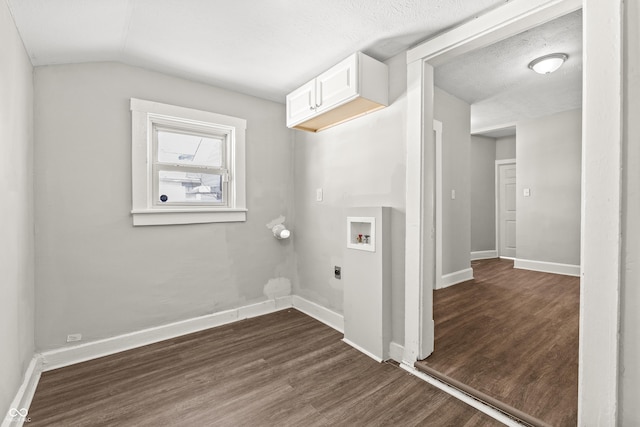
(282, 369)
(513, 335)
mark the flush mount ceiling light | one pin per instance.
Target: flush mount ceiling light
(549, 63)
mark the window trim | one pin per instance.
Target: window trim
(144, 116)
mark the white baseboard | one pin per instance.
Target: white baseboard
(362, 350)
(480, 406)
(456, 277)
(284, 302)
(66, 356)
(547, 267)
(396, 351)
(22, 401)
(476, 255)
(318, 312)
(58, 358)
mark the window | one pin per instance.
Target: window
(187, 165)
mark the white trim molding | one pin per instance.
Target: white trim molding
(58, 358)
(437, 128)
(480, 406)
(456, 277)
(145, 116)
(476, 255)
(65, 356)
(319, 312)
(498, 24)
(547, 267)
(22, 400)
(396, 351)
(600, 252)
(362, 350)
(420, 244)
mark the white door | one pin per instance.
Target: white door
(301, 103)
(507, 210)
(337, 85)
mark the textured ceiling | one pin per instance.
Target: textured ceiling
(501, 88)
(261, 47)
(267, 48)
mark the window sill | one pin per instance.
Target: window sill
(187, 216)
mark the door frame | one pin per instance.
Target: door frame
(601, 185)
(437, 128)
(497, 197)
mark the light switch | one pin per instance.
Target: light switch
(527, 192)
(453, 194)
(318, 194)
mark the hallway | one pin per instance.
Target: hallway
(511, 335)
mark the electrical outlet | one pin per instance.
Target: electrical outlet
(74, 337)
(337, 272)
(319, 195)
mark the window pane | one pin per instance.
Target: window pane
(187, 149)
(185, 187)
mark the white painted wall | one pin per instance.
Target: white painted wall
(506, 148)
(367, 286)
(16, 213)
(359, 163)
(98, 275)
(629, 392)
(548, 159)
(483, 193)
(455, 116)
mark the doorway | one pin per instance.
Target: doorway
(602, 118)
(509, 337)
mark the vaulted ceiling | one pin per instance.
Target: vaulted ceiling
(267, 48)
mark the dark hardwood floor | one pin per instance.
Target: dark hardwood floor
(282, 369)
(513, 335)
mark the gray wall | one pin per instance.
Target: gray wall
(360, 163)
(455, 116)
(98, 275)
(549, 164)
(16, 214)
(630, 292)
(483, 193)
(506, 148)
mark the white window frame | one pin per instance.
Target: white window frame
(145, 116)
(162, 123)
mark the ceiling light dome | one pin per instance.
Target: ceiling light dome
(549, 63)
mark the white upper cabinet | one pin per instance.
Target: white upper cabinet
(352, 88)
(301, 103)
(337, 84)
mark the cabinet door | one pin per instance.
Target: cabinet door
(301, 103)
(338, 84)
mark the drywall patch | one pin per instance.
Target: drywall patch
(277, 221)
(278, 287)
